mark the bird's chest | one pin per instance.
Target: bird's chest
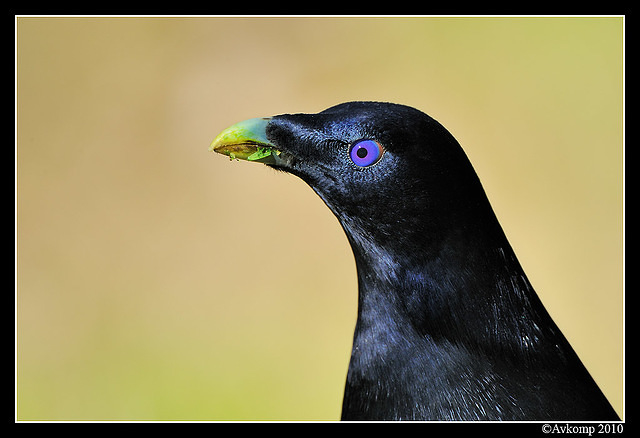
(409, 378)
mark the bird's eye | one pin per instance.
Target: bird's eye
(365, 153)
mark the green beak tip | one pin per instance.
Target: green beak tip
(246, 141)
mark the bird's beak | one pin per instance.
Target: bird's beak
(247, 141)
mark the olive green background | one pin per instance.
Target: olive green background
(156, 280)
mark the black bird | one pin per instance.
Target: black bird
(448, 325)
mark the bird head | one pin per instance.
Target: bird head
(386, 170)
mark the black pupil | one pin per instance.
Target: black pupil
(362, 152)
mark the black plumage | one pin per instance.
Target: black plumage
(448, 325)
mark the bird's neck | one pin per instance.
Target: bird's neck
(465, 289)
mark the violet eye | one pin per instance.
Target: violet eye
(365, 153)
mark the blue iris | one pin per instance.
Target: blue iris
(365, 153)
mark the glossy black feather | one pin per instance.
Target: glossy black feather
(448, 325)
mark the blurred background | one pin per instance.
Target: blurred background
(158, 281)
